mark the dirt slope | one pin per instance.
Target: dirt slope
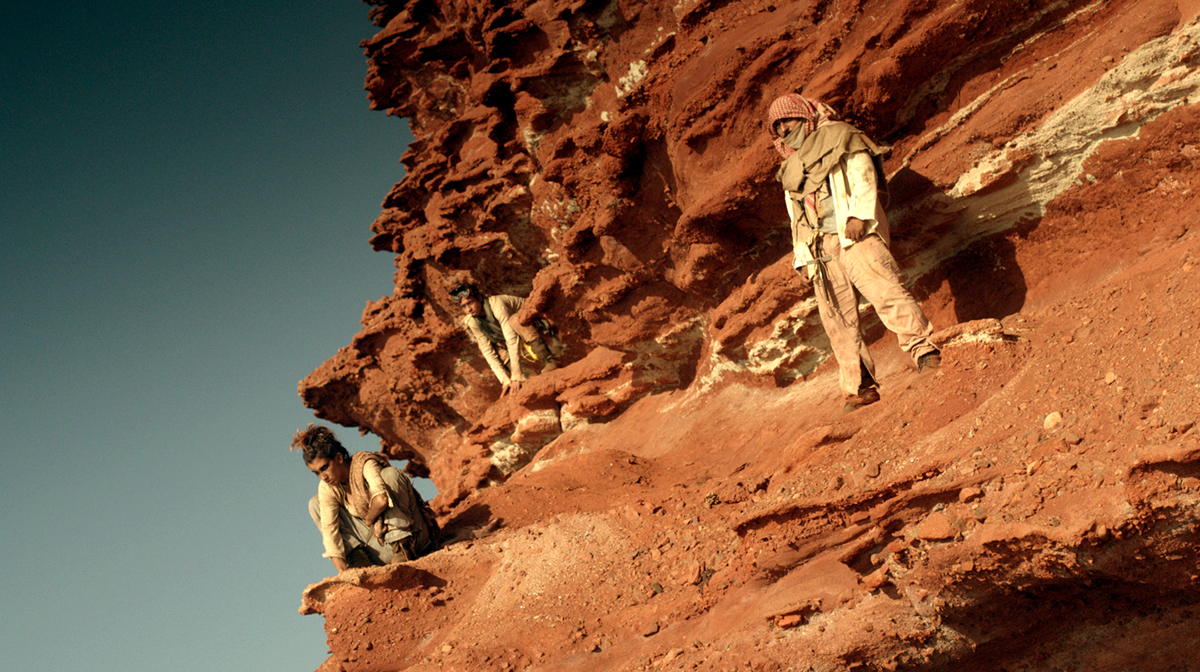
(685, 493)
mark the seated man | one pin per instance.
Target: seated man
(492, 324)
(366, 509)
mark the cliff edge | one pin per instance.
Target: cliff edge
(684, 492)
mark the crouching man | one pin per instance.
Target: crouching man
(367, 510)
(492, 324)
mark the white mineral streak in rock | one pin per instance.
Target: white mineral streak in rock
(1148, 82)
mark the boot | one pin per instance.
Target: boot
(404, 550)
(865, 397)
(929, 361)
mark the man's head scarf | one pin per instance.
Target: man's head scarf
(812, 149)
(811, 114)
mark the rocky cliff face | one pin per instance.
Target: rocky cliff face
(684, 493)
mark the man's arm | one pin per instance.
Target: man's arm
(505, 308)
(487, 350)
(379, 504)
(331, 535)
(861, 195)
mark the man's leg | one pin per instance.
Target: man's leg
(408, 535)
(362, 549)
(839, 316)
(873, 270)
(536, 343)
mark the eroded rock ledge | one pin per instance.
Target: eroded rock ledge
(608, 161)
(682, 494)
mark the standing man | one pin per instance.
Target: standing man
(840, 235)
(366, 509)
(492, 324)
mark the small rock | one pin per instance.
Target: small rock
(876, 579)
(935, 528)
(691, 574)
(1053, 420)
(872, 470)
(1110, 378)
(968, 494)
(1072, 439)
(650, 630)
(789, 621)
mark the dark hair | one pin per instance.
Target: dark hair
(314, 441)
(465, 290)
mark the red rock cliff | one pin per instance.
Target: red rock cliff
(683, 493)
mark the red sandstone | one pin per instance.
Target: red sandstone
(684, 493)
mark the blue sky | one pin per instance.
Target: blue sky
(187, 195)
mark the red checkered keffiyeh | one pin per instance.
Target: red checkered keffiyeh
(794, 106)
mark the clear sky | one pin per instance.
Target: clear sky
(186, 192)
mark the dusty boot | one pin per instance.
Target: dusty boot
(865, 397)
(929, 361)
(403, 551)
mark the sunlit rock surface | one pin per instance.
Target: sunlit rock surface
(684, 492)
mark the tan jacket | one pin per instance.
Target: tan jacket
(854, 189)
(504, 308)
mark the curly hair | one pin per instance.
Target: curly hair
(315, 441)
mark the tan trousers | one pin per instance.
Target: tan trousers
(866, 269)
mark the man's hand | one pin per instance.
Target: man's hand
(339, 564)
(855, 229)
(513, 387)
(805, 278)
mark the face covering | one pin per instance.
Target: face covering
(795, 139)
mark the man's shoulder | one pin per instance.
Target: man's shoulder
(506, 299)
(505, 303)
(839, 125)
(330, 492)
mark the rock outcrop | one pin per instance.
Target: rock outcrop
(683, 492)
